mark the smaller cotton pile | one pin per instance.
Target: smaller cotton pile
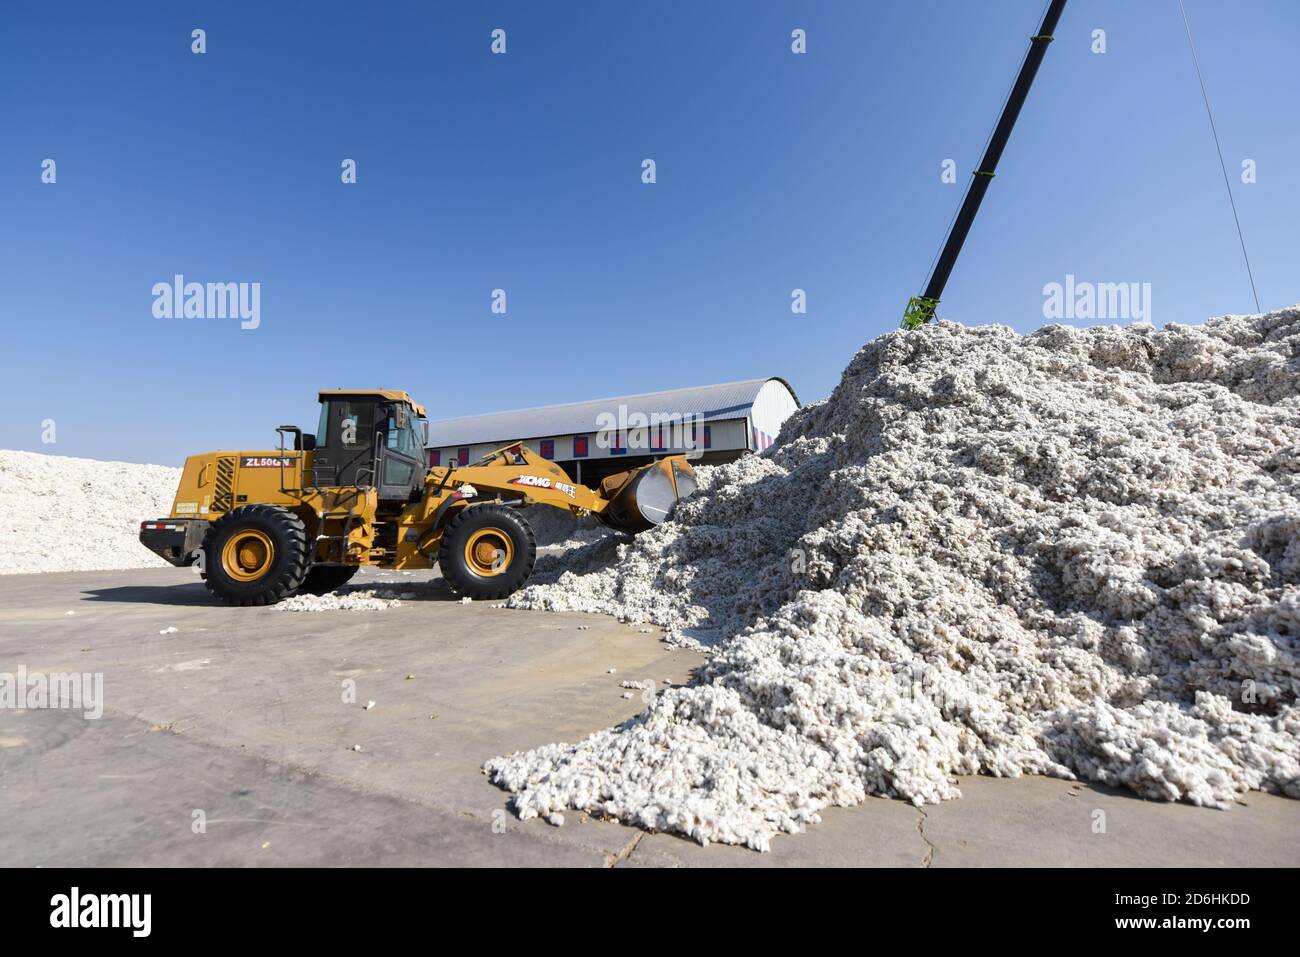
(61, 514)
(348, 599)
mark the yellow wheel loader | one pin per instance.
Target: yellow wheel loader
(304, 517)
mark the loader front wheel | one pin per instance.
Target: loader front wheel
(255, 555)
(487, 551)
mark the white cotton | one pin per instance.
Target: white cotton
(1071, 553)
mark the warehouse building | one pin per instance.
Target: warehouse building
(590, 440)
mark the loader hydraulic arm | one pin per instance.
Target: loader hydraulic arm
(630, 501)
(921, 309)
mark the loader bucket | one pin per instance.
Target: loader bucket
(642, 498)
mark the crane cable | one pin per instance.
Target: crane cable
(1227, 185)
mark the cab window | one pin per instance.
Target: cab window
(322, 429)
(401, 435)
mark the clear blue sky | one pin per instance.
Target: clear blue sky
(522, 171)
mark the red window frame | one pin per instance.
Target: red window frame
(435, 458)
(708, 437)
(548, 448)
(462, 455)
(580, 446)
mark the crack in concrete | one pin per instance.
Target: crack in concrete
(613, 860)
(930, 848)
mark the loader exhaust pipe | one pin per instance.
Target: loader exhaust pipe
(644, 497)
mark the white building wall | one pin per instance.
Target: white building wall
(751, 426)
(723, 435)
(773, 405)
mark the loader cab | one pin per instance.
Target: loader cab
(371, 439)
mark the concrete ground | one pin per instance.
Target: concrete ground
(236, 720)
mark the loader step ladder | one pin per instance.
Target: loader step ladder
(349, 521)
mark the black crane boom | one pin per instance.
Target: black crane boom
(921, 309)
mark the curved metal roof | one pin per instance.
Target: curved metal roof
(727, 400)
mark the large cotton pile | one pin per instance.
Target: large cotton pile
(1069, 553)
(60, 514)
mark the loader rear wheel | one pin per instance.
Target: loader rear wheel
(487, 551)
(323, 579)
(255, 555)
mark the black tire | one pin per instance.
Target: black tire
(323, 579)
(285, 561)
(475, 530)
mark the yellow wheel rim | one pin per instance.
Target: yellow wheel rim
(489, 552)
(247, 555)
